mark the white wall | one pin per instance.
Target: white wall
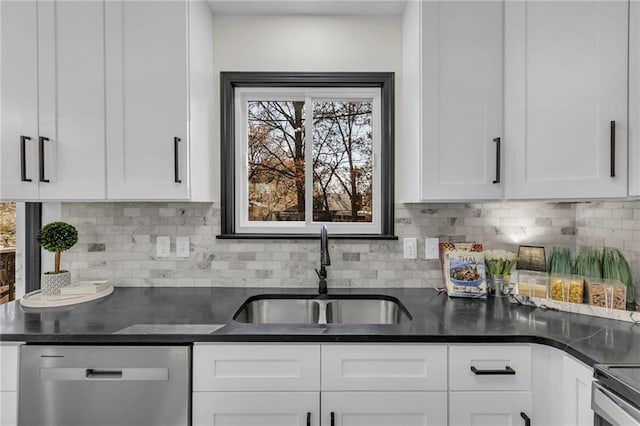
(308, 43)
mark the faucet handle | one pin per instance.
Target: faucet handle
(318, 273)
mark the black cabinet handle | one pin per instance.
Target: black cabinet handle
(527, 420)
(612, 135)
(497, 141)
(508, 371)
(308, 419)
(176, 167)
(333, 419)
(23, 159)
(42, 140)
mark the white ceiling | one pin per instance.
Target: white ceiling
(307, 7)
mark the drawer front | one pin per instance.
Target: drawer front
(384, 408)
(256, 408)
(384, 367)
(9, 355)
(490, 408)
(256, 367)
(497, 367)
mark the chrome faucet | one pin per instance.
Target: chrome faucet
(325, 260)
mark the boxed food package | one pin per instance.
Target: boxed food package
(463, 270)
(532, 283)
(566, 288)
(610, 294)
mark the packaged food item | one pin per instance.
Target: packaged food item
(610, 294)
(566, 288)
(463, 270)
(532, 283)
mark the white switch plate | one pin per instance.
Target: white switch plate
(432, 248)
(182, 247)
(410, 248)
(163, 246)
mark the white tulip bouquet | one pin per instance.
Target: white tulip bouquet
(499, 262)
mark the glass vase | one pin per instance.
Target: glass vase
(498, 284)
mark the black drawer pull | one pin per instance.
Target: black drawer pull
(23, 159)
(176, 167)
(42, 140)
(308, 419)
(527, 420)
(498, 143)
(333, 419)
(612, 135)
(508, 371)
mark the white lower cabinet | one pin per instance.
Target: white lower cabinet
(388, 385)
(384, 408)
(490, 385)
(576, 391)
(256, 409)
(490, 408)
(10, 360)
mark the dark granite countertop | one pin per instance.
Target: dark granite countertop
(187, 315)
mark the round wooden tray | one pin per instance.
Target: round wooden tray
(37, 300)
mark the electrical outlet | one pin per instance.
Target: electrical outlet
(432, 248)
(163, 246)
(410, 248)
(182, 247)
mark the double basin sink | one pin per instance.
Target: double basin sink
(324, 309)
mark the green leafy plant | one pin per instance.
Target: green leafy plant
(57, 237)
(560, 261)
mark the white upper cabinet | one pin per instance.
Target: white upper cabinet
(53, 125)
(566, 99)
(159, 95)
(453, 54)
(634, 99)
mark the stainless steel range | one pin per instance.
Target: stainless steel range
(615, 397)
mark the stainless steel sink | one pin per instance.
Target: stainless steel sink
(338, 309)
(278, 311)
(366, 311)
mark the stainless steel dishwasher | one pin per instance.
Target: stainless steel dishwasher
(104, 385)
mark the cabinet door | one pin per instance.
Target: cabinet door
(147, 102)
(566, 99)
(19, 100)
(576, 385)
(462, 99)
(71, 99)
(489, 408)
(384, 408)
(256, 408)
(634, 99)
(9, 356)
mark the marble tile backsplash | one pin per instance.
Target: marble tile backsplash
(611, 224)
(117, 242)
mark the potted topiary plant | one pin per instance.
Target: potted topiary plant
(56, 237)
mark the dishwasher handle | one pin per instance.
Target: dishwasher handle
(93, 373)
(64, 374)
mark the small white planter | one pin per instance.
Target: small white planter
(50, 284)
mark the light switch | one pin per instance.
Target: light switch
(183, 248)
(163, 246)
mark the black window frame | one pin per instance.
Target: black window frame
(229, 81)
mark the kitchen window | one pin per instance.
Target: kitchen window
(300, 150)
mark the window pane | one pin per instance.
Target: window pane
(7, 252)
(276, 160)
(342, 161)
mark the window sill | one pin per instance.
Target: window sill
(303, 237)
